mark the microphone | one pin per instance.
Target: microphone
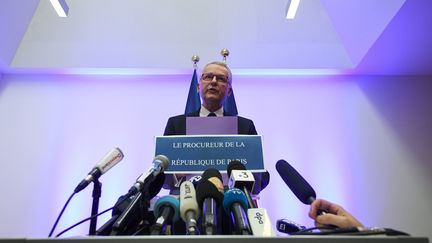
(160, 164)
(195, 180)
(124, 203)
(144, 182)
(242, 179)
(235, 203)
(111, 158)
(214, 176)
(189, 210)
(298, 185)
(262, 180)
(209, 197)
(166, 211)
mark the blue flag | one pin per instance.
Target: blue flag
(193, 102)
(230, 106)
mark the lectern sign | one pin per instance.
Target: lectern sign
(195, 154)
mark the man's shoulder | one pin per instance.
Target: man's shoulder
(244, 119)
(182, 116)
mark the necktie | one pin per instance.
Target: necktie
(211, 114)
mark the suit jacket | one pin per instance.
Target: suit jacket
(176, 125)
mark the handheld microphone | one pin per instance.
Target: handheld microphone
(242, 179)
(235, 203)
(111, 158)
(209, 197)
(298, 185)
(166, 211)
(189, 210)
(160, 164)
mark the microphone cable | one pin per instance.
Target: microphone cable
(61, 213)
(84, 220)
(349, 231)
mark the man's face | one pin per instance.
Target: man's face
(214, 86)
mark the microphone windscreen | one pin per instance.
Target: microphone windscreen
(207, 189)
(234, 195)
(298, 185)
(211, 172)
(188, 200)
(235, 165)
(168, 201)
(156, 185)
(163, 160)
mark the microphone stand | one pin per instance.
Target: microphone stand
(97, 188)
(139, 204)
(144, 226)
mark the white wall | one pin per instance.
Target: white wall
(363, 142)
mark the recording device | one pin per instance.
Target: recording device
(124, 202)
(235, 204)
(160, 164)
(189, 210)
(108, 161)
(166, 211)
(288, 227)
(242, 179)
(209, 197)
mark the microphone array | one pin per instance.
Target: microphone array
(204, 205)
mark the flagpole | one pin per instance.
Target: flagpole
(224, 52)
(195, 60)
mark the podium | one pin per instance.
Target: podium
(225, 239)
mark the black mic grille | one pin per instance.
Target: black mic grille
(211, 172)
(206, 189)
(235, 165)
(298, 185)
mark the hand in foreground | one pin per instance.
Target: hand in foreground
(335, 215)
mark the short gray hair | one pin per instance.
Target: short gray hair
(223, 64)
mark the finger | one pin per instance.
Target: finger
(331, 219)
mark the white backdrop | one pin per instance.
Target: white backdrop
(362, 142)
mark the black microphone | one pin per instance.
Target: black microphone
(235, 203)
(242, 179)
(108, 161)
(160, 164)
(124, 202)
(166, 212)
(298, 185)
(209, 194)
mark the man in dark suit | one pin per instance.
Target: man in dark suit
(214, 87)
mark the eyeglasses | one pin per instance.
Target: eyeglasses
(209, 77)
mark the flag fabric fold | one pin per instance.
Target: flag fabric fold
(193, 102)
(230, 106)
